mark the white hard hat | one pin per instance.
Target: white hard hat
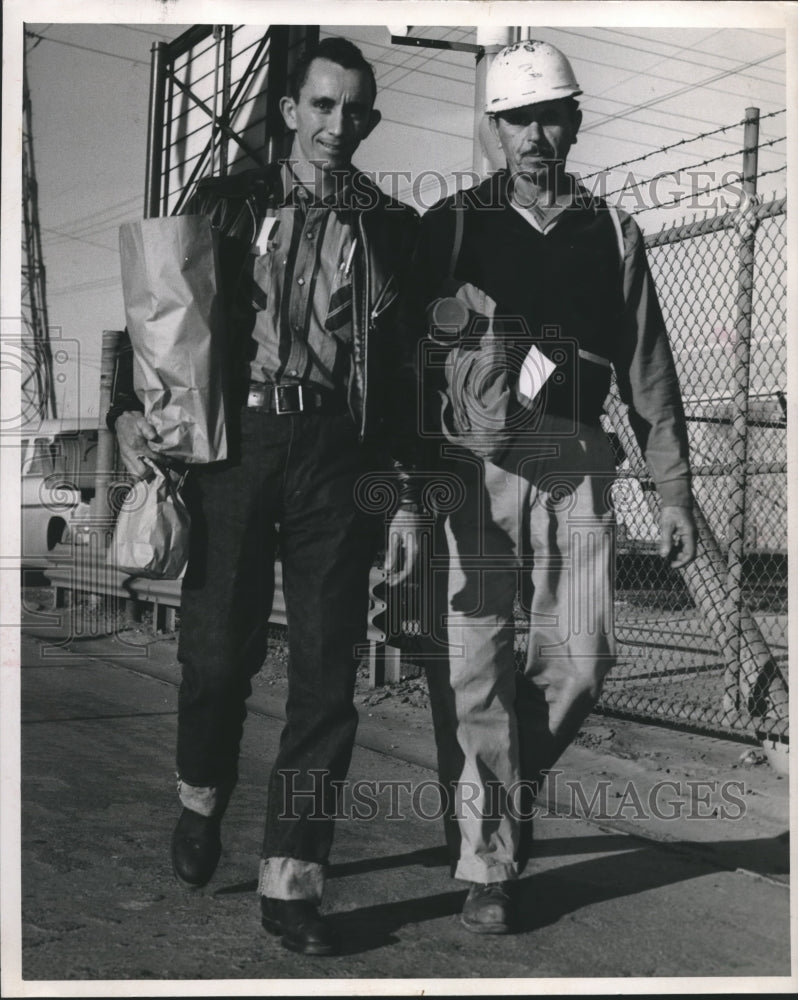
(526, 73)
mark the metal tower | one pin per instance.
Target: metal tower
(37, 389)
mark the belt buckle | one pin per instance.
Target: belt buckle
(284, 405)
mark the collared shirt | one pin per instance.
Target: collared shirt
(302, 291)
(541, 216)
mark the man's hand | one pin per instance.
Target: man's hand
(401, 551)
(134, 433)
(677, 536)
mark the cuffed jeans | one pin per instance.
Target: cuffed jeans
(540, 524)
(291, 483)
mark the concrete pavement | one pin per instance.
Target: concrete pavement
(615, 895)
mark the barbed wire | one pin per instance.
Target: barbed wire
(775, 170)
(703, 163)
(687, 194)
(684, 142)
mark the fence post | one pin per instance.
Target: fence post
(745, 227)
(103, 473)
(152, 180)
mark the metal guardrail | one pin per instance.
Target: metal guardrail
(83, 572)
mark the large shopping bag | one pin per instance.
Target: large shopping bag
(151, 534)
(173, 307)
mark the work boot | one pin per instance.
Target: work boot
(488, 908)
(299, 924)
(196, 848)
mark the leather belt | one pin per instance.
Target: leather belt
(288, 398)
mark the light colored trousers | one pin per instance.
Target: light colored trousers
(539, 525)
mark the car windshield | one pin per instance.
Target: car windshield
(41, 461)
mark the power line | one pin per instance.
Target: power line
(113, 208)
(94, 229)
(86, 48)
(458, 81)
(97, 226)
(664, 55)
(145, 31)
(671, 45)
(426, 128)
(654, 122)
(423, 97)
(629, 109)
(682, 90)
(421, 56)
(78, 239)
(87, 286)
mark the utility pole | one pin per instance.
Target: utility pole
(37, 389)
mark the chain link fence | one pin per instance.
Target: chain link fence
(708, 647)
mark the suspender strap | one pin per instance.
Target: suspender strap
(616, 221)
(457, 242)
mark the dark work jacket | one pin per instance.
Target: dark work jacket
(385, 231)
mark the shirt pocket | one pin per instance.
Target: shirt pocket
(267, 265)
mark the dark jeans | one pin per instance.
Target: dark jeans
(291, 482)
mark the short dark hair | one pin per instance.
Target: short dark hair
(337, 50)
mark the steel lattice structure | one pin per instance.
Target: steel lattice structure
(214, 105)
(36, 376)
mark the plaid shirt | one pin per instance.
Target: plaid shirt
(302, 291)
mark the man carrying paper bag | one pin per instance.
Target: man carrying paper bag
(170, 282)
(313, 257)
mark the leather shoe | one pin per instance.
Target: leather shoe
(196, 848)
(299, 924)
(488, 908)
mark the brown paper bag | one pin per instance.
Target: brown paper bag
(172, 294)
(151, 534)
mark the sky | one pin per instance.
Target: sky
(647, 85)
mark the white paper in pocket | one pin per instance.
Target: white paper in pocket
(260, 245)
(535, 370)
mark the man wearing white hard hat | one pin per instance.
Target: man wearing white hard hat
(527, 293)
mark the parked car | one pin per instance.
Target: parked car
(58, 460)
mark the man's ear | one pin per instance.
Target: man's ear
(494, 128)
(375, 117)
(288, 111)
(577, 123)
(489, 141)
